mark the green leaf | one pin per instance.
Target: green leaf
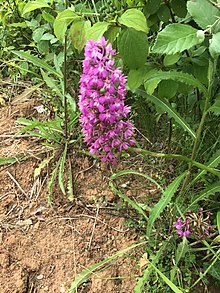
(176, 38)
(179, 7)
(126, 172)
(78, 31)
(164, 13)
(163, 202)
(61, 170)
(51, 181)
(97, 31)
(51, 83)
(180, 253)
(37, 61)
(212, 163)
(112, 33)
(214, 45)
(48, 17)
(42, 165)
(7, 161)
(131, 202)
(86, 273)
(133, 47)
(152, 6)
(171, 59)
(136, 77)
(210, 190)
(167, 88)
(134, 18)
(203, 12)
(215, 108)
(62, 21)
(167, 281)
(147, 272)
(218, 221)
(166, 107)
(33, 5)
(157, 76)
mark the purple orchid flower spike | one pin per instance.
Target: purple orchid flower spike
(106, 129)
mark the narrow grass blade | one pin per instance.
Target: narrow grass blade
(131, 202)
(70, 182)
(210, 190)
(51, 181)
(218, 221)
(162, 104)
(180, 253)
(163, 202)
(37, 61)
(143, 280)
(41, 166)
(212, 163)
(167, 281)
(127, 172)
(61, 170)
(86, 273)
(7, 161)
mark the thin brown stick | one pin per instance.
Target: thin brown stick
(16, 182)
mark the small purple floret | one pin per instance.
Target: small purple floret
(106, 129)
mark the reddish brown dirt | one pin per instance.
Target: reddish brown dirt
(42, 249)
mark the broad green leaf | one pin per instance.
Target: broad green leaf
(214, 45)
(136, 77)
(171, 59)
(33, 5)
(163, 202)
(112, 33)
(78, 31)
(97, 31)
(48, 17)
(86, 273)
(204, 13)
(62, 21)
(166, 107)
(218, 221)
(134, 18)
(176, 38)
(174, 75)
(167, 88)
(210, 190)
(152, 6)
(37, 61)
(215, 108)
(164, 13)
(133, 47)
(179, 7)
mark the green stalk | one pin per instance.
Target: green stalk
(177, 157)
(65, 84)
(211, 72)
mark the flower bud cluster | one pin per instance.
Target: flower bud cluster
(194, 224)
(101, 101)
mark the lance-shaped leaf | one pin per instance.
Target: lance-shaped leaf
(163, 202)
(166, 107)
(176, 38)
(33, 5)
(97, 30)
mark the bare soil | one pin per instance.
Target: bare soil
(42, 249)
